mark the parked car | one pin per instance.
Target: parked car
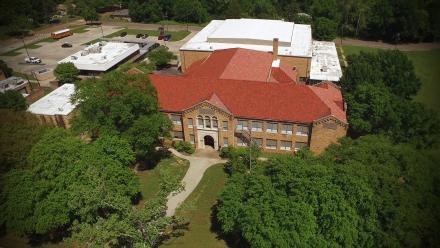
(123, 34)
(167, 37)
(66, 44)
(32, 60)
(138, 35)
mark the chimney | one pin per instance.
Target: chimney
(275, 49)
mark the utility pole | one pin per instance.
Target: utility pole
(25, 48)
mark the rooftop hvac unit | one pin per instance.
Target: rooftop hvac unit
(324, 68)
(74, 57)
(85, 52)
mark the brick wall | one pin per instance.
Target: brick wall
(325, 132)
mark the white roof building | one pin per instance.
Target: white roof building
(325, 62)
(12, 83)
(101, 56)
(56, 102)
(255, 34)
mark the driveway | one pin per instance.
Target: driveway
(198, 163)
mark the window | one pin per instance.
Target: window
(178, 135)
(272, 127)
(200, 121)
(271, 144)
(258, 142)
(225, 125)
(242, 125)
(190, 122)
(207, 122)
(241, 142)
(176, 119)
(286, 128)
(192, 139)
(286, 145)
(302, 130)
(299, 145)
(257, 126)
(214, 122)
(225, 142)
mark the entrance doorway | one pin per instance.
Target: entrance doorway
(209, 141)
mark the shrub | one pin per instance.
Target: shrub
(184, 146)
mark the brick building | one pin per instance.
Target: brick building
(234, 93)
(55, 108)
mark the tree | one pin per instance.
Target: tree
(11, 99)
(90, 15)
(378, 88)
(19, 131)
(294, 204)
(403, 180)
(161, 56)
(66, 73)
(7, 71)
(122, 105)
(324, 29)
(366, 192)
(189, 11)
(67, 181)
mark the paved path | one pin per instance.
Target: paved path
(198, 163)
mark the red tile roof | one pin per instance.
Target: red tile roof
(223, 80)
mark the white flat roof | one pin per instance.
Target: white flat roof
(325, 62)
(255, 34)
(110, 54)
(56, 102)
(12, 83)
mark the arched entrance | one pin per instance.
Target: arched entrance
(209, 141)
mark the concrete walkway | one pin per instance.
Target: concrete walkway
(198, 163)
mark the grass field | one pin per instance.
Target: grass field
(32, 45)
(150, 179)
(81, 29)
(197, 209)
(426, 64)
(175, 35)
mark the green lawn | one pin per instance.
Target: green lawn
(175, 35)
(81, 29)
(197, 209)
(426, 64)
(150, 179)
(32, 45)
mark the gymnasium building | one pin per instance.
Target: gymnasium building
(315, 61)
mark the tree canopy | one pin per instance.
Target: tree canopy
(19, 131)
(365, 193)
(123, 105)
(66, 73)
(11, 99)
(378, 88)
(161, 57)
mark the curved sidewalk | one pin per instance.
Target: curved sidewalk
(197, 167)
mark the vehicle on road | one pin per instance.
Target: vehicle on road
(167, 37)
(123, 34)
(66, 44)
(32, 60)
